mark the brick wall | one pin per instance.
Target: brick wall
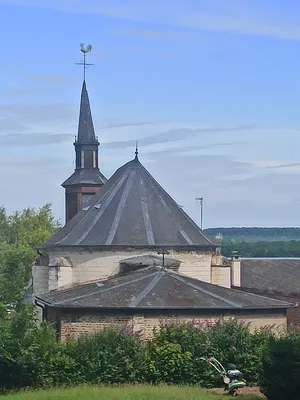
(74, 325)
(76, 322)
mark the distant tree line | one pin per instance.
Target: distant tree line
(255, 233)
(282, 248)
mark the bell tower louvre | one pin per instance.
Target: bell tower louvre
(87, 178)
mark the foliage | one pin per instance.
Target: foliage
(289, 248)
(25, 348)
(31, 356)
(20, 235)
(29, 227)
(137, 392)
(15, 325)
(173, 354)
(281, 367)
(113, 355)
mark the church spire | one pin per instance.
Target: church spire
(86, 132)
(87, 178)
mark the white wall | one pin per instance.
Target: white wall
(88, 265)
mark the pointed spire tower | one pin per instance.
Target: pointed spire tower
(87, 178)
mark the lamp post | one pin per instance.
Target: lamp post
(200, 199)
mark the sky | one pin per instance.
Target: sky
(210, 88)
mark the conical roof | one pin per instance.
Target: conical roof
(131, 210)
(86, 132)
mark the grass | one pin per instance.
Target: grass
(124, 393)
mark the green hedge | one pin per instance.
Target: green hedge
(172, 355)
(31, 356)
(280, 374)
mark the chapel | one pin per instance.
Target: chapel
(130, 254)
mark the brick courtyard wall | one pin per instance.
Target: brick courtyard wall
(76, 322)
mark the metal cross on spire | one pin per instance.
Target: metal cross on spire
(84, 50)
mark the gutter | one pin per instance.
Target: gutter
(170, 308)
(42, 306)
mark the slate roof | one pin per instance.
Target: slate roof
(85, 177)
(86, 132)
(155, 288)
(131, 210)
(271, 275)
(86, 136)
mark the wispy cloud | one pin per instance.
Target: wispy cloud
(275, 164)
(170, 136)
(290, 166)
(158, 33)
(248, 17)
(33, 139)
(126, 125)
(61, 79)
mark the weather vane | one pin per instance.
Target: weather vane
(85, 50)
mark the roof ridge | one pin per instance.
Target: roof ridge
(146, 216)
(168, 211)
(147, 289)
(106, 197)
(176, 205)
(181, 279)
(121, 205)
(102, 290)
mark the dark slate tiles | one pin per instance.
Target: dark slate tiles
(157, 288)
(131, 209)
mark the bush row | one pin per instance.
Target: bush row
(31, 356)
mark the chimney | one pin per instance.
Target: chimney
(235, 269)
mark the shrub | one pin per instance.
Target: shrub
(31, 355)
(173, 354)
(43, 360)
(281, 368)
(113, 355)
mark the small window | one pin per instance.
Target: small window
(86, 197)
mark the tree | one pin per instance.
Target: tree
(21, 234)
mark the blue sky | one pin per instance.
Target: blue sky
(209, 87)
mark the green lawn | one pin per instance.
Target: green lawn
(124, 393)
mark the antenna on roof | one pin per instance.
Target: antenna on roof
(136, 149)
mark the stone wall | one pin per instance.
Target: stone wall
(221, 276)
(40, 274)
(293, 314)
(77, 322)
(88, 265)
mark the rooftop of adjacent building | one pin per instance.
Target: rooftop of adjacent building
(271, 275)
